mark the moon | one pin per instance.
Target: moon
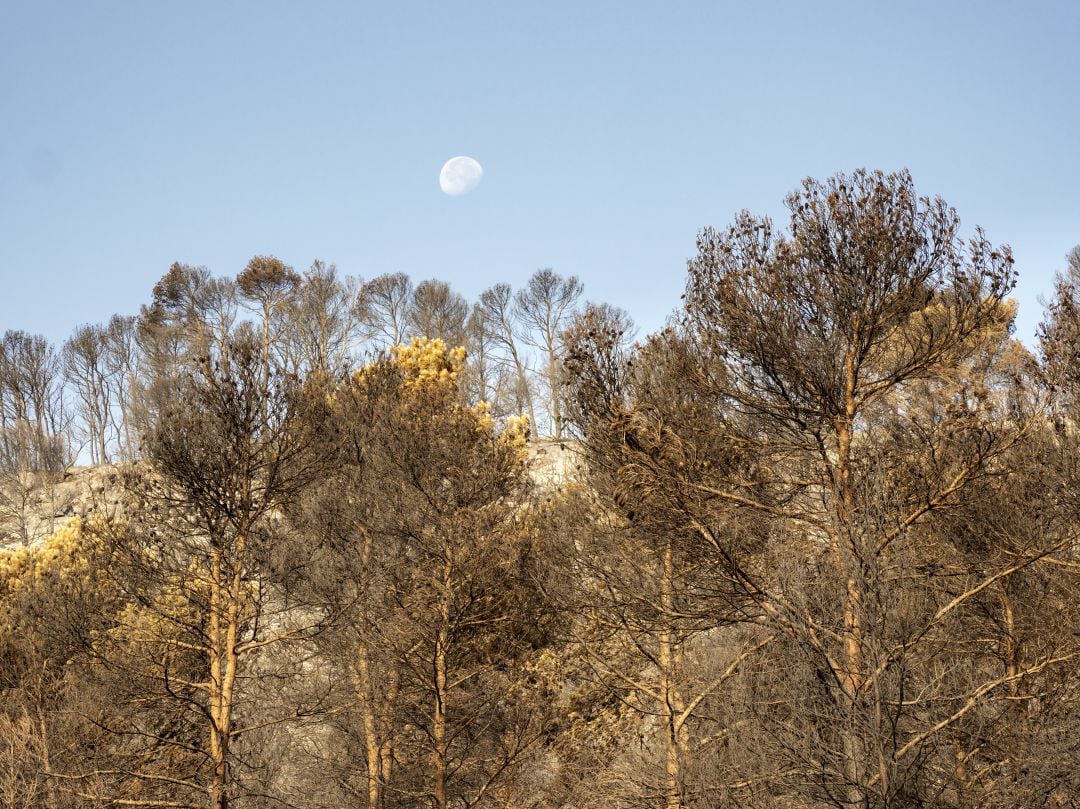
(460, 175)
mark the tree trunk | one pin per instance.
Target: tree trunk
(553, 382)
(46, 762)
(372, 747)
(439, 738)
(849, 570)
(365, 695)
(225, 617)
(672, 707)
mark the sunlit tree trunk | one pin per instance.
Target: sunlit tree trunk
(439, 737)
(847, 551)
(225, 619)
(377, 727)
(669, 657)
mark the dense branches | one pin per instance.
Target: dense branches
(813, 544)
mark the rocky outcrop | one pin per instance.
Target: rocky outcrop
(32, 507)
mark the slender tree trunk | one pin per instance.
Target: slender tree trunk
(126, 414)
(960, 775)
(553, 382)
(218, 745)
(225, 618)
(101, 417)
(849, 568)
(439, 726)
(669, 656)
(365, 693)
(386, 749)
(46, 762)
(372, 747)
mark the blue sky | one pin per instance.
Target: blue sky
(137, 134)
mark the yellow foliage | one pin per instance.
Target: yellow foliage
(66, 553)
(484, 420)
(429, 366)
(518, 426)
(514, 435)
(429, 362)
(62, 570)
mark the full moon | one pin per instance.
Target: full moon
(460, 175)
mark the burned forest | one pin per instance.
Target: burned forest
(302, 539)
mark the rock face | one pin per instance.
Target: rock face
(554, 463)
(33, 508)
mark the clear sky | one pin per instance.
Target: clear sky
(135, 134)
